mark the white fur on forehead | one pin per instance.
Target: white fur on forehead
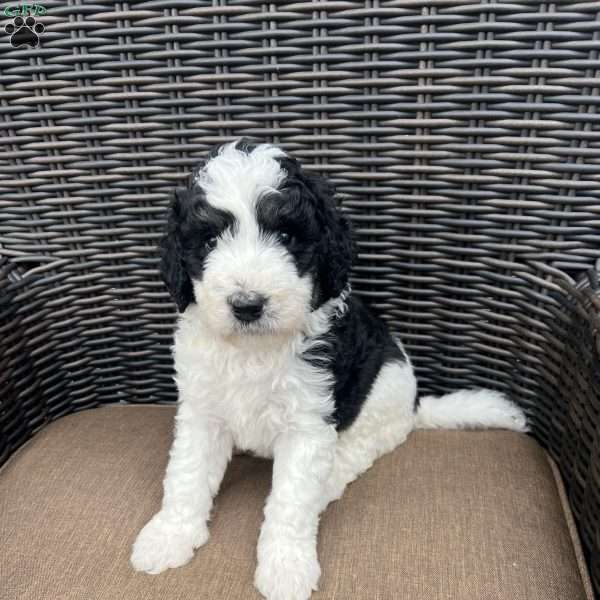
(234, 179)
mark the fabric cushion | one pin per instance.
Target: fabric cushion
(452, 515)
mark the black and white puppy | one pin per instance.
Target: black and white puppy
(273, 355)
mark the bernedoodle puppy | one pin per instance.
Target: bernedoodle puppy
(275, 356)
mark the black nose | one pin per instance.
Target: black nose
(247, 306)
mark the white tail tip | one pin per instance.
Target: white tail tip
(470, 409)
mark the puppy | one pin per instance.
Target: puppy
(275, 356)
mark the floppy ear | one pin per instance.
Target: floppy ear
(172, 263)
(336, 249)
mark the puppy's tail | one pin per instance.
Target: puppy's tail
(470, 409)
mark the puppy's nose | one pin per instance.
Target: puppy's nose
(247, 306)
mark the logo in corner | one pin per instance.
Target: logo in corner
(24, 29)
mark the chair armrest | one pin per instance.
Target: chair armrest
(68, 342)
(34, 375)
(567, 417)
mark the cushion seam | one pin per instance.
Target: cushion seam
(572, 528)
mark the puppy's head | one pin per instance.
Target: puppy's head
(256, 241)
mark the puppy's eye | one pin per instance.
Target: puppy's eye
(211, 243)
(285, 238)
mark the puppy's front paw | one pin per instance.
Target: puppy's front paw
(287, 570)
(165, 543)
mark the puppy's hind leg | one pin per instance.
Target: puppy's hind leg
(385, 420)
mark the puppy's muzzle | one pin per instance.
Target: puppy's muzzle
(247, 306)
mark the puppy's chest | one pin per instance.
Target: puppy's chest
(253, 404)
(259, 394)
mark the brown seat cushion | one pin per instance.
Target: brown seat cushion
(448, 515)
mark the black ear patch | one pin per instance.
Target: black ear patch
(334, 251)
(172, 261)
(336, 247)
(192, 227)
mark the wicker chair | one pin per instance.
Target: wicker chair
(464, 141)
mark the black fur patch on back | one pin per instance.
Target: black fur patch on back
(358, 345)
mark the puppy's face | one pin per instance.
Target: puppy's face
(256, 242)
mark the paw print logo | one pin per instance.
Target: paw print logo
(24, 32)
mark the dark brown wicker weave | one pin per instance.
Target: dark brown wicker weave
(463, 137)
